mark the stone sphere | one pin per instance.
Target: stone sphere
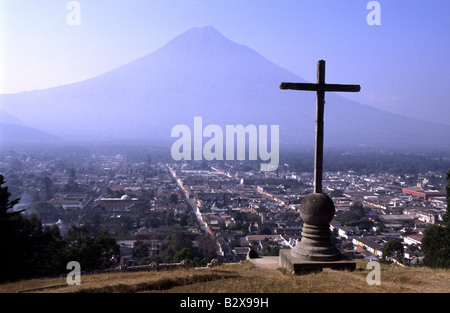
(317, 209)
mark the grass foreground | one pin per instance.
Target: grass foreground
(245, 277)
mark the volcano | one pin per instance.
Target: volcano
(201, 73)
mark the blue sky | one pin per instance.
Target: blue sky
(402, 65)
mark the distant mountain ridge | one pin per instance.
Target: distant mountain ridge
(10, 133)
(202, 73)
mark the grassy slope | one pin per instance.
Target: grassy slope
(248, 278)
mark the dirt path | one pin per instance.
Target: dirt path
(267, 263)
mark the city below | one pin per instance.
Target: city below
(225, 210)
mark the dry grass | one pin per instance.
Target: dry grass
(247, 278)
(117, 282)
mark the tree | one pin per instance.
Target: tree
(179, 240)
(436, 239)
(447, 188)
(48, 250)
(11, 223)
(336, 193)
(359, 208)
(436, 246)
(174, 243)
(269, 248)
(206, 247)
(71, 185)
(30, 250)
(5, 204)
(183, 254)
(365, 225)
(92, 252)
(127, 224)
(109, 248)
(265, 230)
(153, 220)
(47, 188)
(184, 220)
(173, 198)
(140, 251)
(354, 215)
(169, 217)
(45, 211)
(393, 248)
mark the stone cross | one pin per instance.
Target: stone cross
(320, 87)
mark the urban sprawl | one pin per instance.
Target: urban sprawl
(239, 208)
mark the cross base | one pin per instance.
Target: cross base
(316, 245)
(301, 266)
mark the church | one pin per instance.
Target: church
(116, 206)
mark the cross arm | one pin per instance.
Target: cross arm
(299, 86)
(344, 88)
(320, 87)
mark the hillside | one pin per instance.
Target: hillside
(10, 133)
(246, 277)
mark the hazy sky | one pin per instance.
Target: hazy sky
(402, 65)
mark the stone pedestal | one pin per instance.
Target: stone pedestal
(315, 250)
(302, 266)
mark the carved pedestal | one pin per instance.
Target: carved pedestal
(315, 250)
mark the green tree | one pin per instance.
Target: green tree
(173, 198)
(48, 250)
(92, 220)
(206, 247)
(30, 250)
(183, 254)
(109, 248)
(11, 224)
(92, 252)
(126, 225)
(5, 203)
(365, 225)
(436, 246)
(354, 215)
(447, 188)
(45, 211)
(269, 248)
(393, 248)
(174, 243)
(184, 220)
(153, 220)
(336, 193)
(179, 240)
(436, 239)
(265, 230)
(47, 188)
(140, 251)
(169, 217)
(72, 184)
